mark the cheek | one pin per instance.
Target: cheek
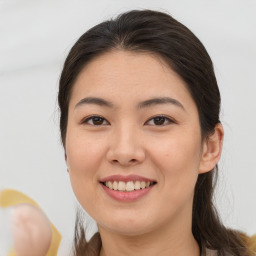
(176, 152)
(83, 154)
(83, 160)
(178, 160)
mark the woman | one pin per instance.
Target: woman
(140, 127)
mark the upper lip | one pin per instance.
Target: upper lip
(131, 177)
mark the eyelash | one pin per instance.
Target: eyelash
(85, 121)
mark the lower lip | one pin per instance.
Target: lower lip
(126, 196)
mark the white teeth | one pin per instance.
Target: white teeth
(137, 184)
(110, 184)
(143, 184)
(121, 186)
(128, 186)
(115, 185)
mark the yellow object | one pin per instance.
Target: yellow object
(12, 253)
(252, 243)
(10, 197)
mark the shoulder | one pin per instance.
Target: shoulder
(252, 243)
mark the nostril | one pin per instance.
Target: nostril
(132, 160)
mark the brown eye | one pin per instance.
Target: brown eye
(95, 120)
(160, 121)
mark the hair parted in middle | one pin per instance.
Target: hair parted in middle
(154, 32)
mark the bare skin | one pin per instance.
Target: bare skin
(31, 231)
(126, 139)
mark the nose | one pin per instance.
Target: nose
(126, 147)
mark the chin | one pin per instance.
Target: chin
(128, 227)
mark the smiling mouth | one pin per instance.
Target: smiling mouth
(128, 186)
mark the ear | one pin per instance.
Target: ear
(66, 160)
(211, 151)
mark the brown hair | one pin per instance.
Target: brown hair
(159, 33)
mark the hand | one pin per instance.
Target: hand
(31, 230)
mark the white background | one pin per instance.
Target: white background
(35, 37)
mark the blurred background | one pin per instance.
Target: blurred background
(36, 36)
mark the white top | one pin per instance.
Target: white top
(211, 252)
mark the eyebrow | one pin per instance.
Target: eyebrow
(143, 104)
(159, 101)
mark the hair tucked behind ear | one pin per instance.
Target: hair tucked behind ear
(160, 34)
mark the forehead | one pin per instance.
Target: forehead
(123, 74)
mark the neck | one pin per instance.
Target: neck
(161, 242)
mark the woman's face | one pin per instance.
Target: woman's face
(130, 114)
